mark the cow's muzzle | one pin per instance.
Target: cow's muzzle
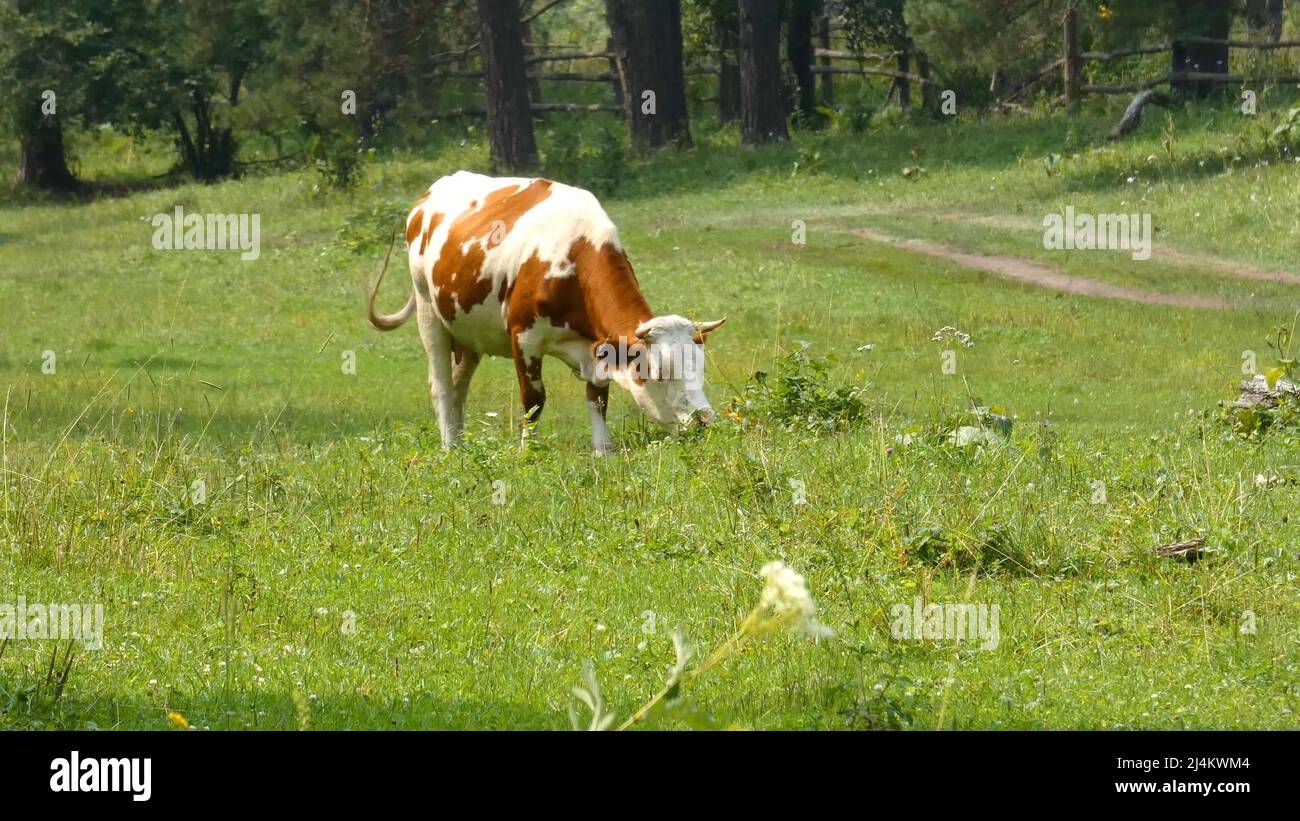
(703, 417)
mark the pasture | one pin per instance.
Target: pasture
(341, 571)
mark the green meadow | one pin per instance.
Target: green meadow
(278, 541)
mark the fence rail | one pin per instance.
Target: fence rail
(826, 56)
(1072, 61)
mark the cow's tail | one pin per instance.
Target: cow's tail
(387, 322)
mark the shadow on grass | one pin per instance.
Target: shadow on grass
(278, 711)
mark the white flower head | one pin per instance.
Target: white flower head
(786, 597)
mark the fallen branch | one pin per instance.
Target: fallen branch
(1133, 114)
(832, 54)
(530, 18)
(1188, 551)
(1045, 71)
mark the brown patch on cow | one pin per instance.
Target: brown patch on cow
(413, 225)
(428, 231)
(528, 370)
(601, 300)
(456, 274)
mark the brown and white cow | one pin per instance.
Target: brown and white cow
(527, 268)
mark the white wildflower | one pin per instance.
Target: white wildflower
(786, 596)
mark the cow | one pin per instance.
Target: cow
(526, 268)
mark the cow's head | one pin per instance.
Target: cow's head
(662, 366)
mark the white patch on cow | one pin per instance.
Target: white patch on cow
(543, 338)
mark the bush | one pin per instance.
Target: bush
(596, 162)
(800, 395)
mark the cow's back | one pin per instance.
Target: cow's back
(470, 235)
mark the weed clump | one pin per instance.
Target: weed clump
(800, 395)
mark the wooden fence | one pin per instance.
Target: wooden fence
(1071, 64)
(828, 63)
(824, 64)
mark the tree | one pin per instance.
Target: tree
(1200, 18)
(762, 94)
(647, 41)
(63, 65)
(505, 80)
(1266, 15)
(714, 25)
(882, 24)
(727, 28)
(799, 52)
(218, 44)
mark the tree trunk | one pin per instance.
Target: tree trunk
(534, 85)
(1265, 17)
(726, 30)
(208, 153)
(1200, 18)
(41, 162)
(928, 97)
(828, 79)
(505, 80)
(904, 84)
(647, 38)
(761, 92)
(799, 51)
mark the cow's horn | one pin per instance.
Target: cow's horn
(706, 327)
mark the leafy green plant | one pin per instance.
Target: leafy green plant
(597, 162)
(800, 394)
(1286, 136)
(370, 228)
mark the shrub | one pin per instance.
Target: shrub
(800, 395)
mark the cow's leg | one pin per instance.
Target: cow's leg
(597, 404)
(464, 363)
(437, 344)
(528, 367)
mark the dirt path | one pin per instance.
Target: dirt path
(1033, 273)
(1216, 265)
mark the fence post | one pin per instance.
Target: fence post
(904, 84)
(1071, 63)
(616, 70)
(927, 88)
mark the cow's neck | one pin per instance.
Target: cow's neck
(614, 302)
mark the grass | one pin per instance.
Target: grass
(344, 572)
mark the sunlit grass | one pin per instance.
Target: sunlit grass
(342, 568)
